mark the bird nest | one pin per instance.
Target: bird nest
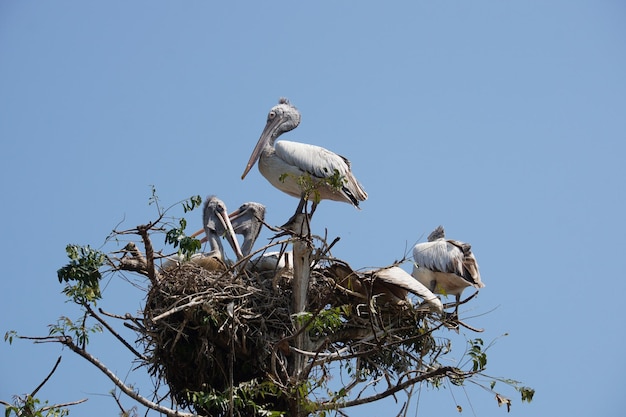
(207, 331)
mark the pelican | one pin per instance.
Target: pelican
(247, 221)
(445, 266)
(216, 223)
(391, 283)
(398, 282)
(286, 165)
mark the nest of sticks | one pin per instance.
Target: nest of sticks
(212, 330)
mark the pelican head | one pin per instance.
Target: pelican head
(247, 221)
(282, 118)
(438, 233)
(216, 223)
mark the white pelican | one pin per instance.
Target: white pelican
(445, 266)
(286, 165)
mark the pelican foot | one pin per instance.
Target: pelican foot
(452, 321)
(297, 225)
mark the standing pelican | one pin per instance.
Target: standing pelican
(445, 266)
(287, 165)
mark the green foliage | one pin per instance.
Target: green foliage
(33, 407)
(154, 198)
(84, 270)
(78, 332)
(249, 398)
(8, 336)
(326, 322)
(177, 238)
(479, 357)
(310, 184)
(527, 393)
(192, 203)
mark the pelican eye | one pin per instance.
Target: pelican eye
(271, 115)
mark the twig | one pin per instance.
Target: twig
(50, 407)
(390, 391)
(114, 333)
(67, 341)
(54, 368)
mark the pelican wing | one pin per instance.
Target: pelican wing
(450, 257)
(399, 277)
(312, 159)
(470, 265)
(321, 163)
(438, 256)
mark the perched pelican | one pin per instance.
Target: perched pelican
(216, 223)
(398, 282)
(392, 284)
(445, 266)
(247, 221)
(272, 262)
(284, 164)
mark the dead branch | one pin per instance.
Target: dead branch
(67, 341)
(114, 333)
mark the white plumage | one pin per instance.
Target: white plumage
(445, 266)
(398, 277)
(284, 164)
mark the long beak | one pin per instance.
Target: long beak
(231, 216)
(268, 133)
(230, 234)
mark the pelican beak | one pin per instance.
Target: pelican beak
(268, 134)
(232, 216)
(230, 234)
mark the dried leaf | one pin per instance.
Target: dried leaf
(503, 400)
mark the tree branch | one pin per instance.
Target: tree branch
(54, 368)
(114, 333)
(391, 391)
(67, 341)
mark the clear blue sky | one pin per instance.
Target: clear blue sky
(504, 121)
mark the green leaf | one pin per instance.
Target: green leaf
(192, 203)
(527, 393)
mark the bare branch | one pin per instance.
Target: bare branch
(67, 341)
(114, 333)
(50, 407)
(54, 368)
(446, 370)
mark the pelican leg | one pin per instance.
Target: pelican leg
(299, 223)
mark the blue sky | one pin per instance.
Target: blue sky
(504, 121)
